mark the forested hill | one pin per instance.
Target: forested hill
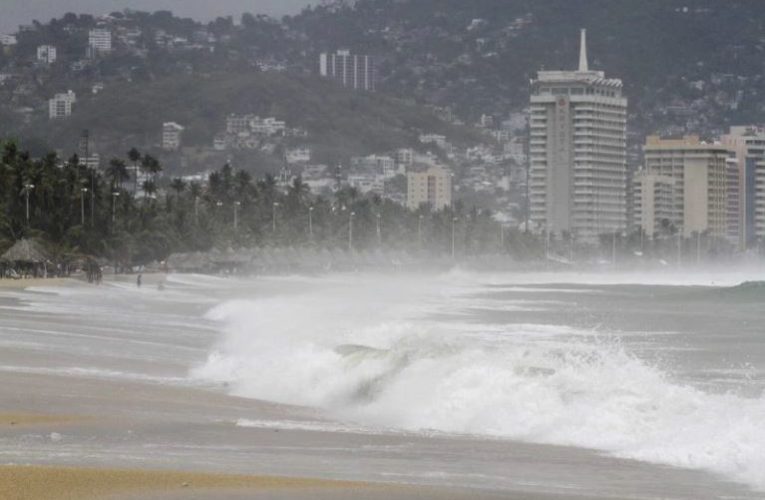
(689, 66)
(337, 121)
(702, 59)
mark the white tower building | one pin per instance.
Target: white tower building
(578, 152)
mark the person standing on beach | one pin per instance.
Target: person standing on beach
(138, 280)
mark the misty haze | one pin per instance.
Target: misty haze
(382, 249)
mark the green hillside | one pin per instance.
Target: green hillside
(340, 122)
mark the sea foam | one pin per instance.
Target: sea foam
(374, 351)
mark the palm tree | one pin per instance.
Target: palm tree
(117, 172)
(178, 185)
(149, 189)
(134, 156)
(151, 166)
(154, 168)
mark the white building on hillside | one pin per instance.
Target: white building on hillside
(8, 40)
(60, 106)
(350, 70)
(100, 41)
(46, 54)
(298, 155)
(171, 136)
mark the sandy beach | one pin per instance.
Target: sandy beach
(96, 402)
(39, 483)
(29, 282)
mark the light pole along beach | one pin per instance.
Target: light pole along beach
(310, 223)
(28, 189)
(84, 191)
(237, 204)
(454, 221)
(273, 217)
(115, 195)
(350, 231)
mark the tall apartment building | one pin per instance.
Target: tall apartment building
(699, 189)
(432, 187)
(578, 151)
(350, 70)
(46, 54)
(747, 147)
(100, 40)
(60, 106)
(733, 221)
(171, 136)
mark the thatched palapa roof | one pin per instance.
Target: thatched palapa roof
(25, 250)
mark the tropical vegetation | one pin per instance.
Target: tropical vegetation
(79, 210)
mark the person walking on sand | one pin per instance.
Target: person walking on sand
(138, 280)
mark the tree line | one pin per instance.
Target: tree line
(129, 214)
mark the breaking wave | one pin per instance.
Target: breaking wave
(375, 355)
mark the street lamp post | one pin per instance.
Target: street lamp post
(27, 189)
(454, 220)
(310, 223)
(236, 215)
(196, 210)
(350, 232)
(419, 230)
(679, 247)
(379, 233)
(698, 247)
(218, 205)
(82, 206)
(273, 217)
(93, 198)
(115, 194)
(613, 249)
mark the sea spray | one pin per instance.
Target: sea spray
(377, 352)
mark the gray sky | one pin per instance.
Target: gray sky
(15, 12)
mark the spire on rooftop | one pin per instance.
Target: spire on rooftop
(583, 52)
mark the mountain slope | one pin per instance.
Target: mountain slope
(340, 122)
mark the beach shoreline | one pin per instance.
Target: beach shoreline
(96, 381)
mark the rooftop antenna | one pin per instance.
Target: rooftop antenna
(583, 51)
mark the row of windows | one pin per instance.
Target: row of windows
(579, 91)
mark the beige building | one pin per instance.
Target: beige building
(432, 187)
(577, 152)
(698, 200)
(653, 198)
(747, 189)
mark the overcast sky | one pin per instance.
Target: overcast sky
(15, 12)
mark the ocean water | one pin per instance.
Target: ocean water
(660, 367)
(664, 368)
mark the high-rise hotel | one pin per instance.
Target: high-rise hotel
(578, 152)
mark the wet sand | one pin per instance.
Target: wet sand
(101, 434)
(41, 483)
(26, 283)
